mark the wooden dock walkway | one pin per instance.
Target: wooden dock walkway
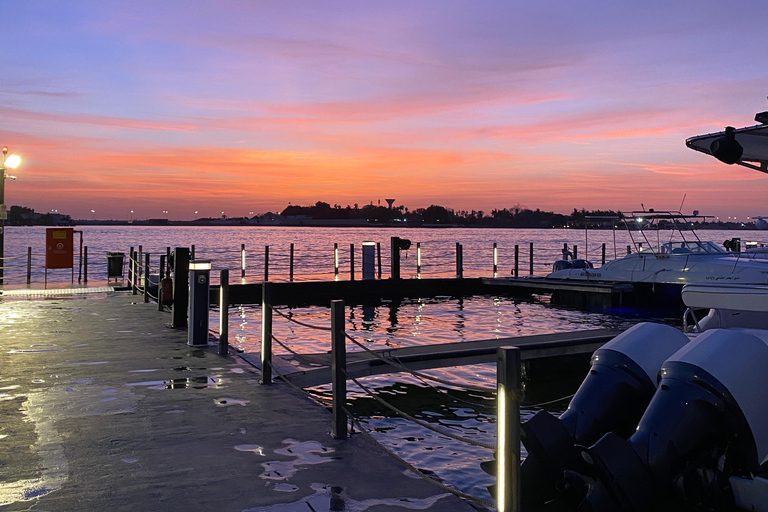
(539, 347)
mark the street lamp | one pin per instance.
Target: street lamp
(9, 162)
(93, 214)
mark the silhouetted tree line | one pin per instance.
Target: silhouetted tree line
(23, 216)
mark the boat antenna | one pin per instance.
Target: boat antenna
(682, 202)
(642, 206)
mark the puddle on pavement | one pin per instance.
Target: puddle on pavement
(258, 450)
(84, 363)
(224, 402)
(334, 498)
(306, 453)
(203, 382)
(34, 351)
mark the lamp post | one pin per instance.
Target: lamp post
(9, 162)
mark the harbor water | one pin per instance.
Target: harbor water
(467, 406)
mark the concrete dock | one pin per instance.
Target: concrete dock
(105, 407)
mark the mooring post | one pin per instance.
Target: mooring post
(629, 249)
(335, 259)
(266, 333)
(85, 265)
(224, 312)
(192, 252)
(266, 263)
(130, 267)
(517, 260)
(394, 257)
(132, 271)
(338, 368)
(530, 259)
(160, 283)
(509, 393)
(575, 251)
(180, 287)
(139, 259)
(167, 262)
(459, 261)
(290, 266)
(147, 280)
(29, 265)
(495, 258)
(603, 258)
(378, 256)
(351, 262)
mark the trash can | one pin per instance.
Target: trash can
(115, 264)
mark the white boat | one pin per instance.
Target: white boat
(661, 267)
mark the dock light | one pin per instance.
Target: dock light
(242, 260)
(418, 257)
(199, 297)
(336, 259)
(369, 260)
(495, 259)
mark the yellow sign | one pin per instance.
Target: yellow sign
(59, 235)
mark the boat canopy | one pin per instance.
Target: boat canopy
(742, 146)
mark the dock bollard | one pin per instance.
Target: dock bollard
(338, 367)
(509, 395)
(224, 312)
(199, 298)
(266, 333)
(180, 287)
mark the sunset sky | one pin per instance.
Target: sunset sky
(244, 106)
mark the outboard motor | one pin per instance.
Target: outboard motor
(612, 398)
(706, 422)
(561, 265)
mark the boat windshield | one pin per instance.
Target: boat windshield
(692, 247)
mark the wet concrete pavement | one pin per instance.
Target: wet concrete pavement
(105, 407)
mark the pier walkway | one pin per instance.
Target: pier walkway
(104, 407)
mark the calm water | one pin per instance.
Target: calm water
(408, 323)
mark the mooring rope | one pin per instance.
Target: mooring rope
(320, 328)
(416, 420)
(419, 374)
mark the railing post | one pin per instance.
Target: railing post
(290, 271)
(29, 265)
(167, 262)
(146, 276)
(495, 258)
(603, 258)
(338, 368)
(378, 256)
(517, 260)
(266, 263)
(160, 283)
(266, 333)
(509, 391)
(224, 312)
(530, 259)
(351, 262)
(134, 272)
(575, 252)
(180, 287)
(85, 265)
